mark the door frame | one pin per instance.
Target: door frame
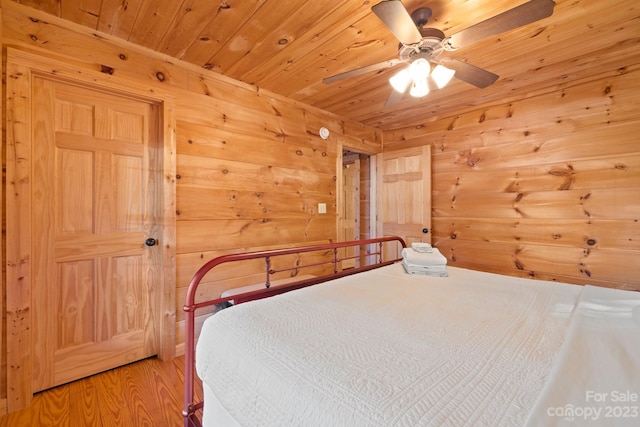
(343, 144)
(20, 68)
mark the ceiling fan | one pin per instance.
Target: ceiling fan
(421, 47)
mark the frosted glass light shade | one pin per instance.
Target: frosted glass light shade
(442, 75)
(414, 76)
(400, 80)
(419, 69)
(420, 87)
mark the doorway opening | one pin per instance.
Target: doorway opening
(357, 216)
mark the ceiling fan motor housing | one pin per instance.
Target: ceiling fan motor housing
(430, 45)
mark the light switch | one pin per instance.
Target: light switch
(322, 208)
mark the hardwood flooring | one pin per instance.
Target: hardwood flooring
(145, 393)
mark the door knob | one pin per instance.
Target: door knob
(150, 241)
(425, 230)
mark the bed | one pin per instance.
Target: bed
(376, 346)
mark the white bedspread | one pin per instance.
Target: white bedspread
(596, 378)
(386, 348)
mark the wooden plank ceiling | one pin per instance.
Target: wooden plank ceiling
(288, 47)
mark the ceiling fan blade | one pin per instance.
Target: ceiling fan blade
(380, 65)
(524, 14)
(394, 98)
(394, 15)
(469, 73)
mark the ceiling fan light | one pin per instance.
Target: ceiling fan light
(419, 88)
(442, 75)
(400, 80)
(419, 69)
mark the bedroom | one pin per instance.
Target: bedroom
(536, 175)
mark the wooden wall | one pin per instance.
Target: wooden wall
(546, 187)
(250, 166)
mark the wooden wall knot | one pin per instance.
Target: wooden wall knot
(585, 272)
(568, 173)
(106, 69)
(513, 187)
(472, 161)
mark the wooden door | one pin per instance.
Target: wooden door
(94, 200)
(404, 182)
(349, 223)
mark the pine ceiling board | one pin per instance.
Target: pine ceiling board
(370, 95)
(154, 17)
(376, 50)
(363, 40)
(117, 17)
(327, 31)
(83, 12)
(192, 18)
(50, 6)
(247, 39)
(230, 16)
(555, 44)
(301, 22)
(340, 95)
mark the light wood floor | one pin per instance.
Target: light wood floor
(146, 393)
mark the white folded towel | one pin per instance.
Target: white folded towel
(420, 258)
(425, 270)
(422, 247)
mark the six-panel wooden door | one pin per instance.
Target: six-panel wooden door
(94, 302)
(404, 182)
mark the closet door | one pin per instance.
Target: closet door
(94, 206)
(404, 195)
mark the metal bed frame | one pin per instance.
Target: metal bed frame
(191, 305)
